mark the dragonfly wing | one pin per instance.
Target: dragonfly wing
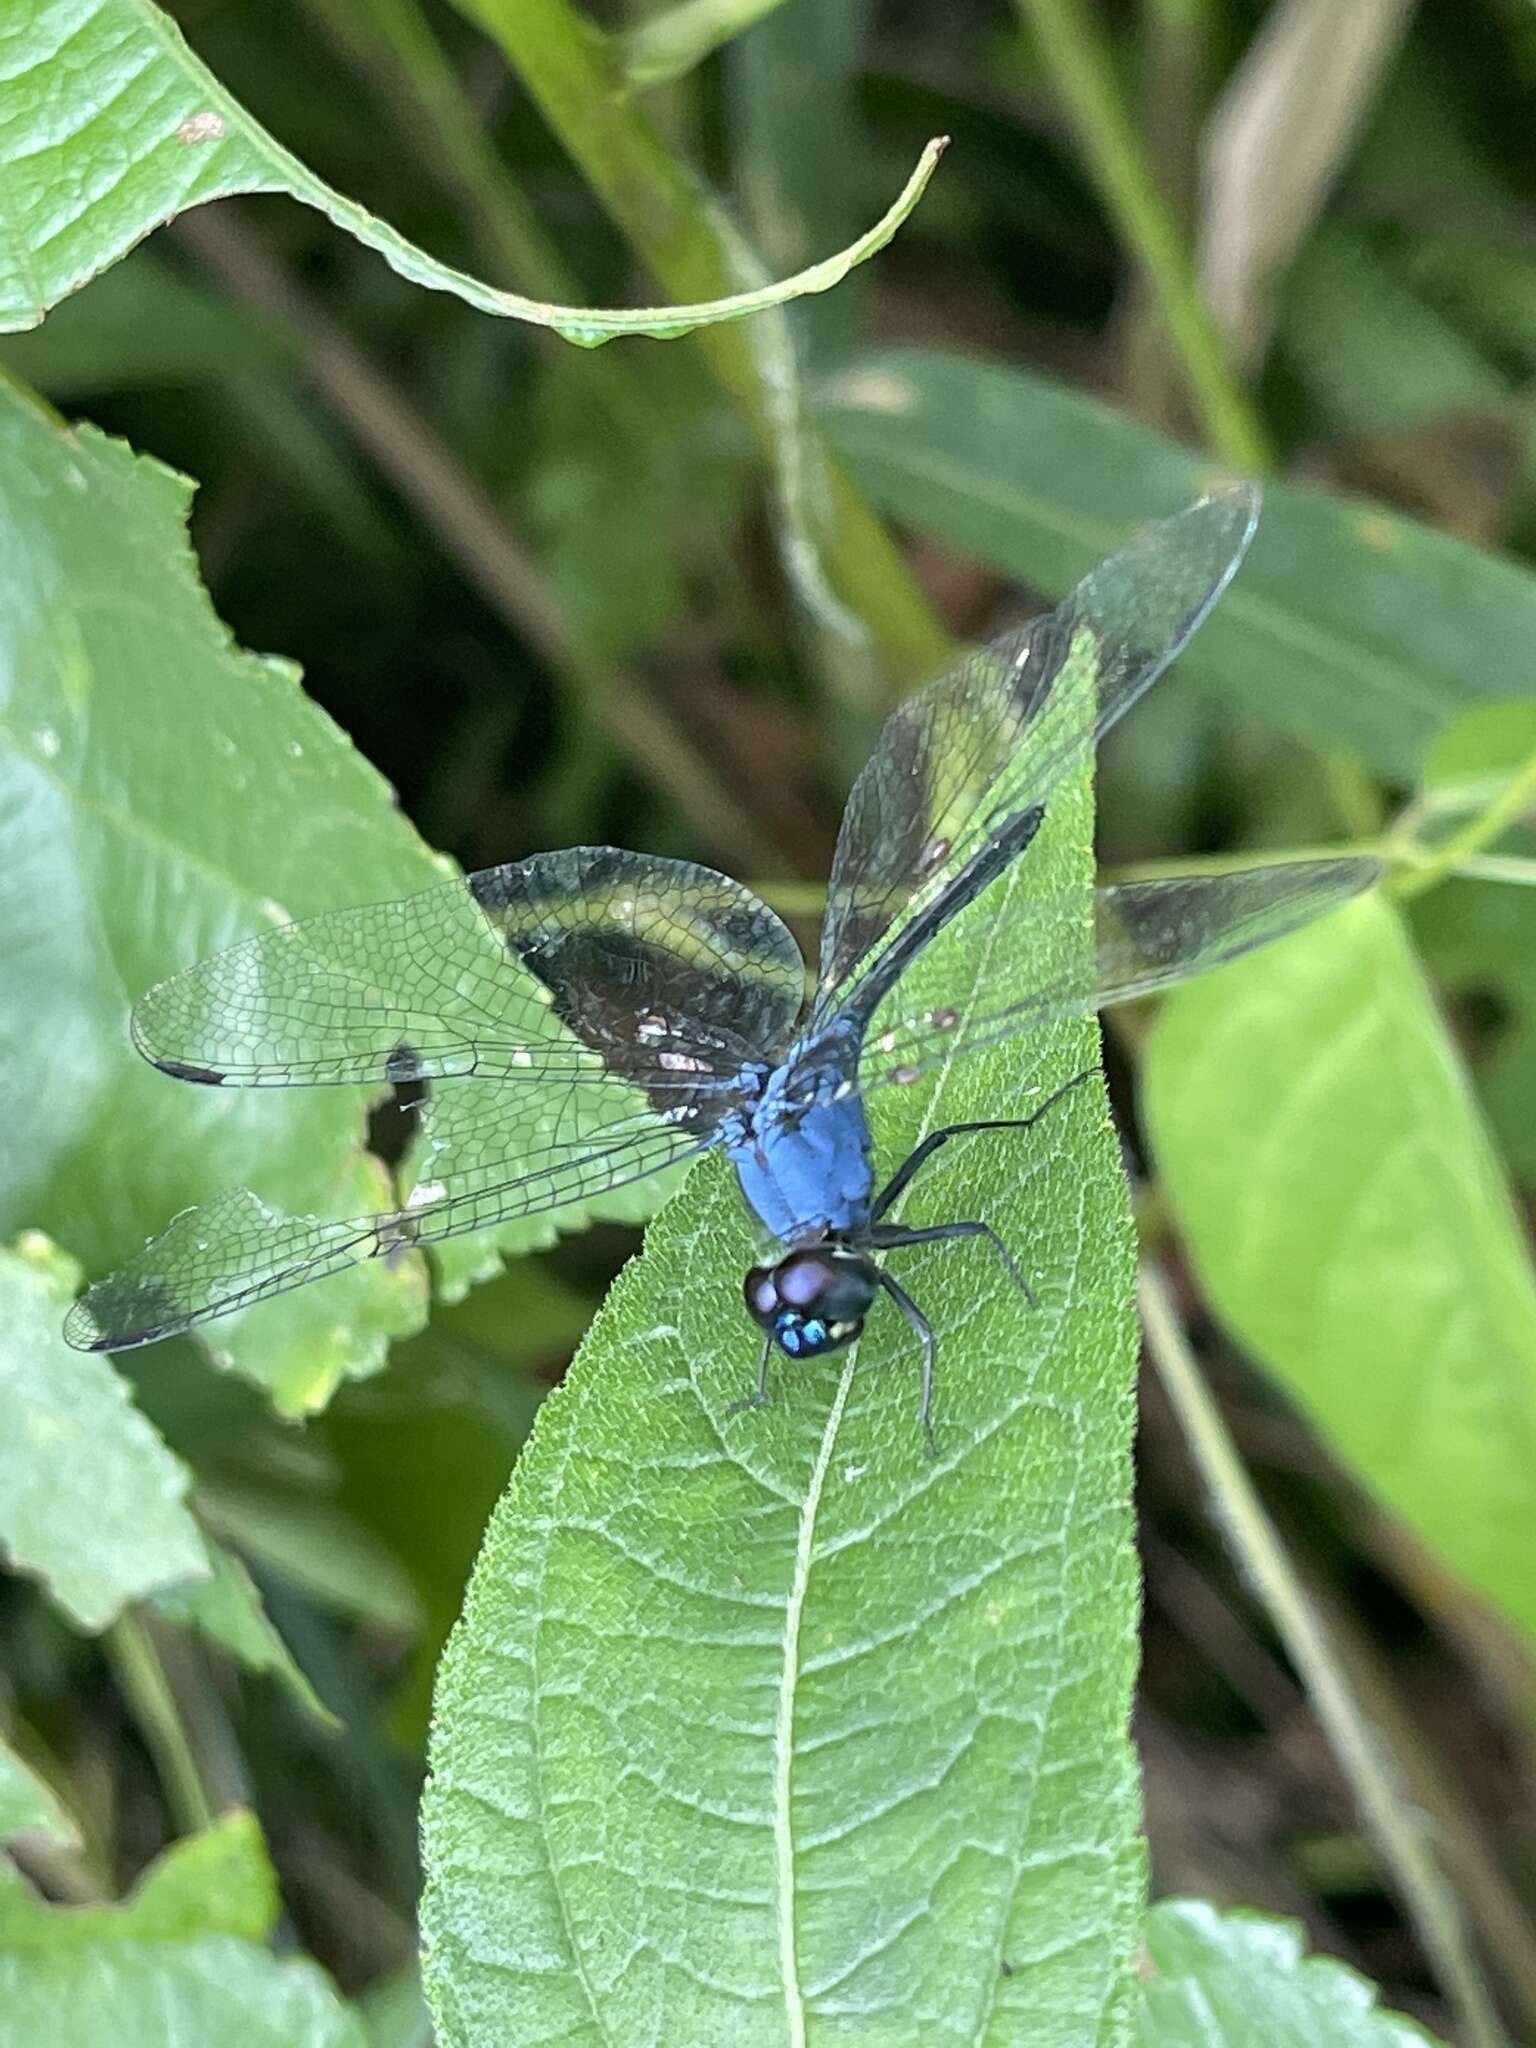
(1146, 936)
(991, 739)
(235, 1250)
(586, 962)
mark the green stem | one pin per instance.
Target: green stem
(1507, 809)
(1372, 1772)
(577, 79)
(671, 44)
(148, 1697)
(1079, 62)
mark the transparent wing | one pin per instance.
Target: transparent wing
(594, 1011)
(228, 1253)
(1147, 935)
(993, 738)
(589, 961)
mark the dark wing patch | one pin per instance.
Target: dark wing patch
(960, 759)
(585, 962)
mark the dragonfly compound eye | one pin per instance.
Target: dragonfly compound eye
(813, 1300)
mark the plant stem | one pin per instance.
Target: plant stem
(148, 1697)
(670, 44)
(1080, 64)
(1507, 809)
(577, 78)
(1370, 1769)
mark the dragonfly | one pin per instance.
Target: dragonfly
(584, 1019)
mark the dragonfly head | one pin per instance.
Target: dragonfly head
(813, 1300)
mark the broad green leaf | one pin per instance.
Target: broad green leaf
(1237, 1980)
(216, 1993)
(1350, 626)
(1484, 745)
(1325, 1160)
(91, 1501)
(766, 1726)
(28, 1806)
(227, 1608)
(161, 794)
(176, 1961)
(109, 126)
(217, 1882)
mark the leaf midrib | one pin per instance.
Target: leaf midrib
(805, 1543)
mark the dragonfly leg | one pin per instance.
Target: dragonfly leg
(891, 1237)
(921, 1154)
(924, 1330)
(759, 1397)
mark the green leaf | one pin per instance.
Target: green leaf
(217, 1882)
(767, 1726)
(150, 132)
(161, 794)
(1236, 1980)
(28, 1806)
(1348, 1220)
(227, 1608)
(218, 1993)
(1489, 742)
(176, 1961)
(91, 1501)
(1350, 626)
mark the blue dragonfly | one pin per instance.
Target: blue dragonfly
(585, 1018)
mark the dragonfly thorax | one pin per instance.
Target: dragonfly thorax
(801, 1150)
(813, 1300)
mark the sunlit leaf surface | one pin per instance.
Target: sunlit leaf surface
(178, 1961)
(216, 1882)
(217, 1992)
(768, 1725)
(91, 1501)
(162, 794)
(1349, 1221)
(1237, 1980)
